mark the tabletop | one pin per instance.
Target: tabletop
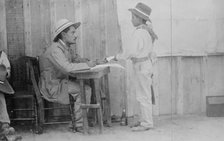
(91, 73)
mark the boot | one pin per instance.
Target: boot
(6, 129)
(13, 138)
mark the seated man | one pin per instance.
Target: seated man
(57, 62)
(6, 132)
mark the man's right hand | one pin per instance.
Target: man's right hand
(91, 63)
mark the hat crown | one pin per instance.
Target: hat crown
(144, 8)
(60, 24)
(63, 24)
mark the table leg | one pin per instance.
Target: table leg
(92, 111)
(84, 110)
(107, 105)
(98, 101)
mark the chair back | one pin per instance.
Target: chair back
(34, 74)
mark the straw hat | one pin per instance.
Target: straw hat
(5, 87)
(142, 11)
(62, 25)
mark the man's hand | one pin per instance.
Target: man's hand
(103, 61)
(80, 60)
(77, 59)
(91, 63)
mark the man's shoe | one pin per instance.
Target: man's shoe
(140, 128)
(7, 130)
(13, 138)
(135, 124)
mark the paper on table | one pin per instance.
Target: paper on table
(110, 58)
(108, 65)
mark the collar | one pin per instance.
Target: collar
(140, 26)
(63, 46)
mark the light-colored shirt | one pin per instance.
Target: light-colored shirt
(140, 45)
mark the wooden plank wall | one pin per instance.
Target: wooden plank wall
(183, 87)
(3, 36)
(182, 81)
(15, 28)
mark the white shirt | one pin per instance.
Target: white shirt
(140, 45)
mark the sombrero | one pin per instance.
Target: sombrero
(142, 11)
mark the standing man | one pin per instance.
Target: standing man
(57, 62)
(140, 51)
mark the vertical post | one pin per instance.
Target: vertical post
(27, 26)
(3, 39)
(84, 110)
(180, 95)
(78, 18)
(98, 101)
(107, 105)
(103, 20)
(72, 112)
(53, 17)
(204, 83)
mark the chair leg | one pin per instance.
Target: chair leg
(40, 114)
(73, 116)
(35, 116)
(100, 120)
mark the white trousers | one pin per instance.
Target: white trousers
(142, 84)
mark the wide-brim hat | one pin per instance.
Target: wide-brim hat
(142, 10)
(5, 87)
(62, 25)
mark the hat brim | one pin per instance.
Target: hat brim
(76, 25)
(6, 88)
(140, 14)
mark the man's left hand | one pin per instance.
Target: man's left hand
(103, 61)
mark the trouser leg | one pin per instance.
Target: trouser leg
(143, 96)
(74, 90)
(4, 117)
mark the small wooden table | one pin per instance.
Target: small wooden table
(94, 75)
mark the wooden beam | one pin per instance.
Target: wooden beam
(78, 18)
(53, 17)
(204, 83)
(27, 26)
(102, 29)
(3, 36)
(180, 94)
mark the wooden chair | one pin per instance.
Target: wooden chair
(22, 106)
(43, 106)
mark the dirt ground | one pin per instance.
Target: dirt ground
(167, 128)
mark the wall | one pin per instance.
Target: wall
(184, 27)
(190, 34)
(188, 31)
(30, 29)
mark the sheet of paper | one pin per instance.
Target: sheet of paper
(108, 65)
(110, 58)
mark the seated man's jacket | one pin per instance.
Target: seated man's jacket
(55, 65)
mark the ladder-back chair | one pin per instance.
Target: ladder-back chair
(44, 106)
(22, 106)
